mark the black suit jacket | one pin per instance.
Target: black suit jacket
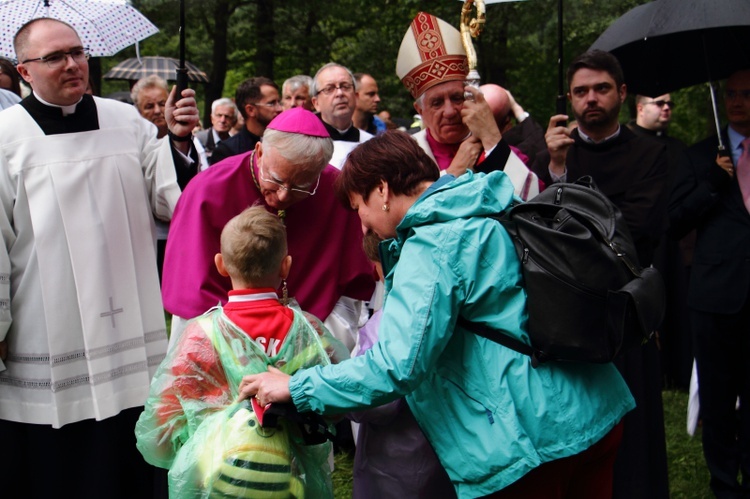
(206, 138)
(244, 141)
(706, 198)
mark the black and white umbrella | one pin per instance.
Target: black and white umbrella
(105, 26)
(135, 69)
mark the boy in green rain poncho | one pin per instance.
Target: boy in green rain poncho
(191, 424)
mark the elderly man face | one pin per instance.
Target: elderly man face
(336, 99)
(152, 103)
(63, 77)
(282, 183)
(223, 118)
(298, 98)
(440, 108)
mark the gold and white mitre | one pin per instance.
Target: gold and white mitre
(431, 53)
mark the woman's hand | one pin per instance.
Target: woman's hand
(272, 386)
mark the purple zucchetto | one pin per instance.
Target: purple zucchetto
(299, 120)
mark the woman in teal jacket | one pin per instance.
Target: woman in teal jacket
(490, 416)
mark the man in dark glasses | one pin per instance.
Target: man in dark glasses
(653, 115)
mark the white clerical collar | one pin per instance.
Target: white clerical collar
(66, 110)
(588, 139)
(253, 297)
(343, 132)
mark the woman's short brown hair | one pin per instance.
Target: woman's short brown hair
(393, 157)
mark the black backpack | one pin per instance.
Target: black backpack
(588, 298)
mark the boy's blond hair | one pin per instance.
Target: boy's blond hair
(253, 244)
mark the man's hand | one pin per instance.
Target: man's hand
(558, 142)
(466, 156)
(182, 116)
(477, 116)
(725, 162)
(268, 387)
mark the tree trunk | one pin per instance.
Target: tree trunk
(264, 52)
(214, 89)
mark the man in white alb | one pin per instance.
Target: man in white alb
(81, 317)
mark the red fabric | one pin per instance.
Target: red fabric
(444, 153)
(520, 155)
(262, 320)
(265, 321)
(587, 475)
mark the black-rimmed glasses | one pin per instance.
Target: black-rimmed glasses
(329, 89)
(56, 60)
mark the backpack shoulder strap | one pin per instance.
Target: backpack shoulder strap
(537, 356)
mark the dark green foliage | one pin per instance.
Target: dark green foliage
(232, 40)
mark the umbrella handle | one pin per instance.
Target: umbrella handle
(561, 107)
(182, 81)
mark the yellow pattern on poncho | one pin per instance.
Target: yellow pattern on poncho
(215, 448)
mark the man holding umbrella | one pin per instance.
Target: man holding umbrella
(632, 172)
(81, 316)
(712, 195)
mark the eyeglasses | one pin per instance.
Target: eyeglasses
(328, 90)
(56, 60)
(733, 94)
(274, 103)
(662, 103)
(285, 188)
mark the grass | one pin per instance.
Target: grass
(688, 475)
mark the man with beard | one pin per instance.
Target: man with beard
(334, 93)
(631, 171)
(258, 102)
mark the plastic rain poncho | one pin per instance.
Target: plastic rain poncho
(213, 446)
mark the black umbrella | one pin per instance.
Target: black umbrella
(671, 44)
(135, 69)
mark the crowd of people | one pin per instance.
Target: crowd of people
(315, 263)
